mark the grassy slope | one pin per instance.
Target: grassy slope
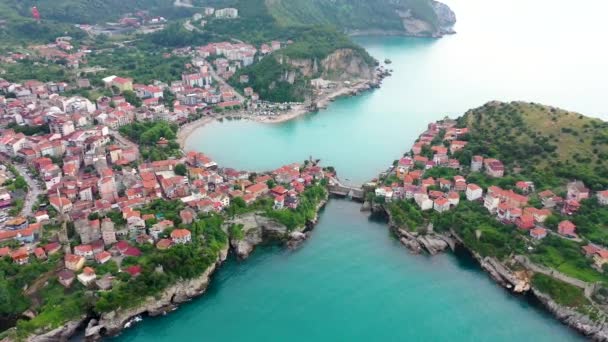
(541, 139)
(349, 14)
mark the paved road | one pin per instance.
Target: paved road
(223, 83)
(32, 194)
(122, 140)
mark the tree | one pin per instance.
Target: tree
(132, 98)
(181, 170)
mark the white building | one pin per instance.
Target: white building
(474, 192)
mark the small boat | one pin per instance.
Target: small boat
(387, 61)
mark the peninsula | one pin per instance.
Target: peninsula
(523, 187)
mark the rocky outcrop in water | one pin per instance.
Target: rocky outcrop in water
(256, 229)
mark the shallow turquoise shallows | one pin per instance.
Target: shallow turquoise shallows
(351, 281)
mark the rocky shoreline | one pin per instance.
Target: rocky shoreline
(596, 331)
(112, 323)
(260, 230)
(517, 282)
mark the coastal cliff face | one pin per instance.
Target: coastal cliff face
(346, 64)
(113, 322)
(340, 65)
(596, 331)
(445, 16)
(259, 229)
(256, 229)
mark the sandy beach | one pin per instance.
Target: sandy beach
(322, 102)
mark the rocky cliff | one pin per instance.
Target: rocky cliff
(595, 330)
(258, 229)
(113, 322)
(340, 65)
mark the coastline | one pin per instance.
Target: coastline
(185, 131)
(109, 324)
(511, 281)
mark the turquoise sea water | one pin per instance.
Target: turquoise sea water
(351, 281)
(550, 52)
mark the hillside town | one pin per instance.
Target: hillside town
(82, 184)
(521, 205)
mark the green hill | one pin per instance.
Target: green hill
(359, 15)
(548, 143)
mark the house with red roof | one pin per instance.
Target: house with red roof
(66, 278)
(454, 198)
(538, 233)
(602, 197)
(74, 262)
(476, 163)
(134, 270)
(132, 252)
(187, 215)
(571, 206)
(495, 169)
(20, 256)
(279, 190)
(163, 244)
(257, 189)
(181, 236)
(525, 187)
(279, 202)
(85, 251)
(39, 253)
(441, 205)
(4, 251)
(600, 257)
(525, 222)
(87, 277)
(590, 249)
(474, 192)
(103, 257)
(567, 228)
(52, 248)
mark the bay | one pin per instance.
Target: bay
(550, 52)
(351, 281)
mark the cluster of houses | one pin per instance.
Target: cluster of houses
(78, 165)
(508, 206)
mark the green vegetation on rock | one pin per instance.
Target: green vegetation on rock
(306, 211)
(350, 14)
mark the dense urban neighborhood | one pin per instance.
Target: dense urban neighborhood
(98, 196)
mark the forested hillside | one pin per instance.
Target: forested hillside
(353, 15)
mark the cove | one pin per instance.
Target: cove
(551, 52)
(352, 282)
